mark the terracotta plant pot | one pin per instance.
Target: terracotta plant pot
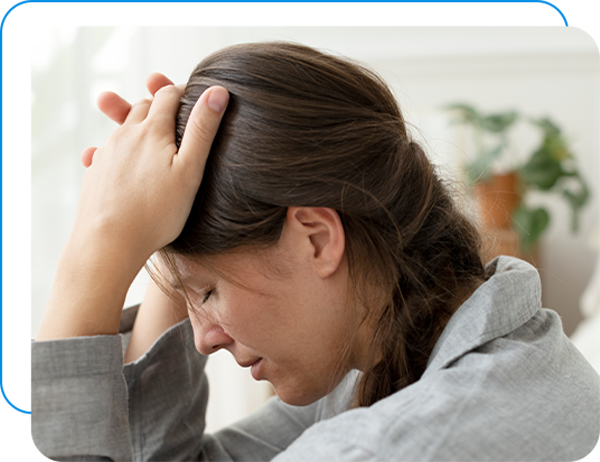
(498, 199)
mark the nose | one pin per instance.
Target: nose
(210, 338)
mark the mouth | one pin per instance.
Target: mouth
(248, 363)
(256, 369)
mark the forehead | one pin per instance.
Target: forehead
(238, 267)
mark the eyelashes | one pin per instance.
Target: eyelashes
(181, 290)
(207, 296)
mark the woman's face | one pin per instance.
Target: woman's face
(275, 313)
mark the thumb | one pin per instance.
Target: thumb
(202, 126)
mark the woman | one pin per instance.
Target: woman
(315, 241)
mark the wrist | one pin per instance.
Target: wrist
(98, 253)
(90, 286)
(106, 239)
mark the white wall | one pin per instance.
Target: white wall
(540, 71)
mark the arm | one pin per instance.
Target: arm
(150, 409)
(80, 396)
(87, 404)
(157, 313)
(119, 221)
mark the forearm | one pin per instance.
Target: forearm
(89, 290)
(156, 314)
(120, 222)
(84, 399)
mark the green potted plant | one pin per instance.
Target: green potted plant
(550, 168)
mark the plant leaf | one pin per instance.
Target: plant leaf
(465, 114)
(498, 123)
(542, 170)
(480, 170)
(576, 199)
(530, 224)
(547, 126)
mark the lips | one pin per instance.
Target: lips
(248, 363)
(255, 365)
(256, 369)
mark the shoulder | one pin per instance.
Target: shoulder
(528, 395)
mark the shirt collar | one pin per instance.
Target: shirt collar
(503, 303)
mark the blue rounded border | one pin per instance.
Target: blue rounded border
(278, 1)
(15, 53)
(15, 46)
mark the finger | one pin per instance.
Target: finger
(113, 106)
(139, 111)
(164, 107)
(202, 127)
(87, 155)
(156, 81)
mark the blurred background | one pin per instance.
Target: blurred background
(540, 72)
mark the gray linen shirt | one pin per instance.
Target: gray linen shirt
(503, 383)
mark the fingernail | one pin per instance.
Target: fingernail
(218, 99)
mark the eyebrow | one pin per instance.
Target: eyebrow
(194, 286)
(175, 285)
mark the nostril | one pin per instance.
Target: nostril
(210, 338)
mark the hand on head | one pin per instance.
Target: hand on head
(136, 195)
(117, 108)
(139, 184)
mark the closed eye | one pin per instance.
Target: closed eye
(206, 296)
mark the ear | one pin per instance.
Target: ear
(319, 233)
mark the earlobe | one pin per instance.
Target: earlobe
(323, 234)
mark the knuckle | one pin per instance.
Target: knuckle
(202, 131)
(167, 90)
(153, 126)
(142, 102)
(118, 133)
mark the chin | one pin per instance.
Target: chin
(298, 396)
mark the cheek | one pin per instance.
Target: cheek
(256, 317)
(249, 317)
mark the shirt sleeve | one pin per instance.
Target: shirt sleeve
(88, 405)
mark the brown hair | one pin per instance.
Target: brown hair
(304, 128)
